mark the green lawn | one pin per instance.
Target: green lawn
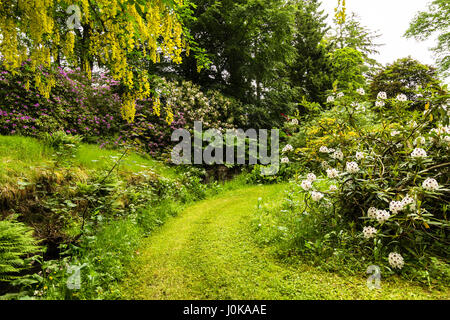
(24, 158)
(207, 252)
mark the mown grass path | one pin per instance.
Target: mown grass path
(208, 252)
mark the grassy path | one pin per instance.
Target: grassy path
(207, 253)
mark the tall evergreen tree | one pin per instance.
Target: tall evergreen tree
(249, 43)
(310, 72)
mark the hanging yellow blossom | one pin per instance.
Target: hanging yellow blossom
(157, 106)
(112, 31)
(340, 10)
(169, 116)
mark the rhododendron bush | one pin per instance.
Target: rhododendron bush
(91, 108)
(382, 175)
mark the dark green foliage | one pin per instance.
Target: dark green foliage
(249, 45)
(404, 76)
(310, 73)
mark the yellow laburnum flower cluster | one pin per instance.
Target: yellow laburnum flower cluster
(112, 29)
(340, 10)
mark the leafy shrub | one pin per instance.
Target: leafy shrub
(405, 76)
(387, 185)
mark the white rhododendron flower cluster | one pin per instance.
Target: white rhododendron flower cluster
(402, 97)
(379, 103)
(408, 201)
(332, 173)
(395, 206)
(352, 167)
(382, 216)
(361, 91)
(395, 133)
(359, 156)
(311, 177)
(340, 94)
(287, 148)
(306, 185)
(324, 149)
(418, 153)
(285, 160)
(382, 95)
(316, 196)
(330, 99)
(420, 141)
(333, 188)
(396, 260)
(294, 121)
(372, 212)
(338, 155)
(430, 184)
(369, 232)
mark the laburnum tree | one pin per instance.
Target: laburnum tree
(113, 34)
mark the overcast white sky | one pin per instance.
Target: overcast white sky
(391, 18)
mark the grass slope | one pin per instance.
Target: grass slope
(23, 157)
(207, 252)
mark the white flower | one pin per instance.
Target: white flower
(333, 188)
(338, 155)
(396, 260)
(408, 201)
(418, 153)
(306, 185)
(419, 141)
(330, 99)
(361, 91)
(316, 196)
(382, 95)
(323, 149)
(372, 212)
(294, 121)
(401, 97)
(395, 206)
(325, 165)
(379, 103)
(287, 148)
(359, 156)
(382, 215)
(285, 160)
(311, 177)
(332, 173)
(412, 124)
(352, 167)
(394, 133)
(340, 94)
(369, 232)
(430, 184)
(447, 139)
(331, 150)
